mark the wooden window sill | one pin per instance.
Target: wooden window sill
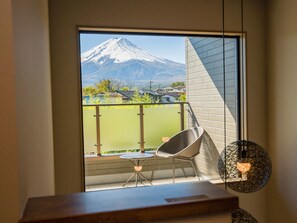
(131, 205)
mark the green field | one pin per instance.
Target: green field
(120, 126)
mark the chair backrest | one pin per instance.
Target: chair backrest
(185, 144)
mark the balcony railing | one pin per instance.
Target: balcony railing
(115, 128)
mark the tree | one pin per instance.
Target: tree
(89, 91)
(178, 84)
(109, 99)
(109, 85)
(146, 98)
(137, 98)
(124, 89)
(116, 84)
(182, 97)
(103, 86)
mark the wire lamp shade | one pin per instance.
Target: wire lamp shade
(244, 166)
(242, 216)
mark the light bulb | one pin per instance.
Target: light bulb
(243, 168)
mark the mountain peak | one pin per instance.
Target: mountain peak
(119, 59)
(119, 50)
(118, 40)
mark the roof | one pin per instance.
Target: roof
(127, 94)
(111, 94)
(149, 92)
(173, 94)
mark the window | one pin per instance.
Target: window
(140, 88)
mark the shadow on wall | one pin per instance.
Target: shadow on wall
(210, 52)
(207, 160)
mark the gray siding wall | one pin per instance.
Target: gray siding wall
(205, 92)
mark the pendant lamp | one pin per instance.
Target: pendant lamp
(242, 216)
(244, 165)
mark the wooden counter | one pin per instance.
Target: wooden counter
(130, 205)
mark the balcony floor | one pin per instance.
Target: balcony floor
(132, 183)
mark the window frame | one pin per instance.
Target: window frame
(241, 66)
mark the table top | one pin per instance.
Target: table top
(136, 155)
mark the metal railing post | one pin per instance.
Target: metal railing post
(98, 131)
(193, 116)
(182, 116)
(141, 128)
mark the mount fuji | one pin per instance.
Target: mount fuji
(119, 59)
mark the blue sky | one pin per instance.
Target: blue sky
(170, 47)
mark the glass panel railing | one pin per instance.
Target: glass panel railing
(119, 128)
(89, 129)
(110, 129)
(160, 121)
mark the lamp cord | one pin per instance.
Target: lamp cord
(224, 83)
(242, 72)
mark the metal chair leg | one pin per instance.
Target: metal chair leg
(152, 175)
(173, 170)
(195, 169)
(182, 167)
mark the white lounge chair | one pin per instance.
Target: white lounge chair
(183, 146)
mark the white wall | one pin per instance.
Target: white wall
(282, 107)
(9, 182)
(281, 80)
(33, 94)
(26, 160)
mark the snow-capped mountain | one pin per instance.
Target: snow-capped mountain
(119, 59)
(121, 50)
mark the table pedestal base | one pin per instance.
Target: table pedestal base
(138, 175)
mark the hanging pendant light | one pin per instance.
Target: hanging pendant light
(244, 166)
(242, 216)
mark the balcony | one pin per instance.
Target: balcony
(113, 129)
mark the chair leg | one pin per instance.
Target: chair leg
(182, 167)
(195, 169)
(152, 175)
(173, 170)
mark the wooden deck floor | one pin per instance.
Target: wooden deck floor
(132, 183)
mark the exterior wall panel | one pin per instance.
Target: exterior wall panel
(205, 92)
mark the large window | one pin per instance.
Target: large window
(140, 89)
(118, 70)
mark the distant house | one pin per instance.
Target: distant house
(127, 95)
(167, 99)
(108, 98)
(153, 94)
(170, 97)
(112, 97)
(168, 89)
(179, 89)
(159, 90)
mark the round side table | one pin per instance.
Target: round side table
(137, 159)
